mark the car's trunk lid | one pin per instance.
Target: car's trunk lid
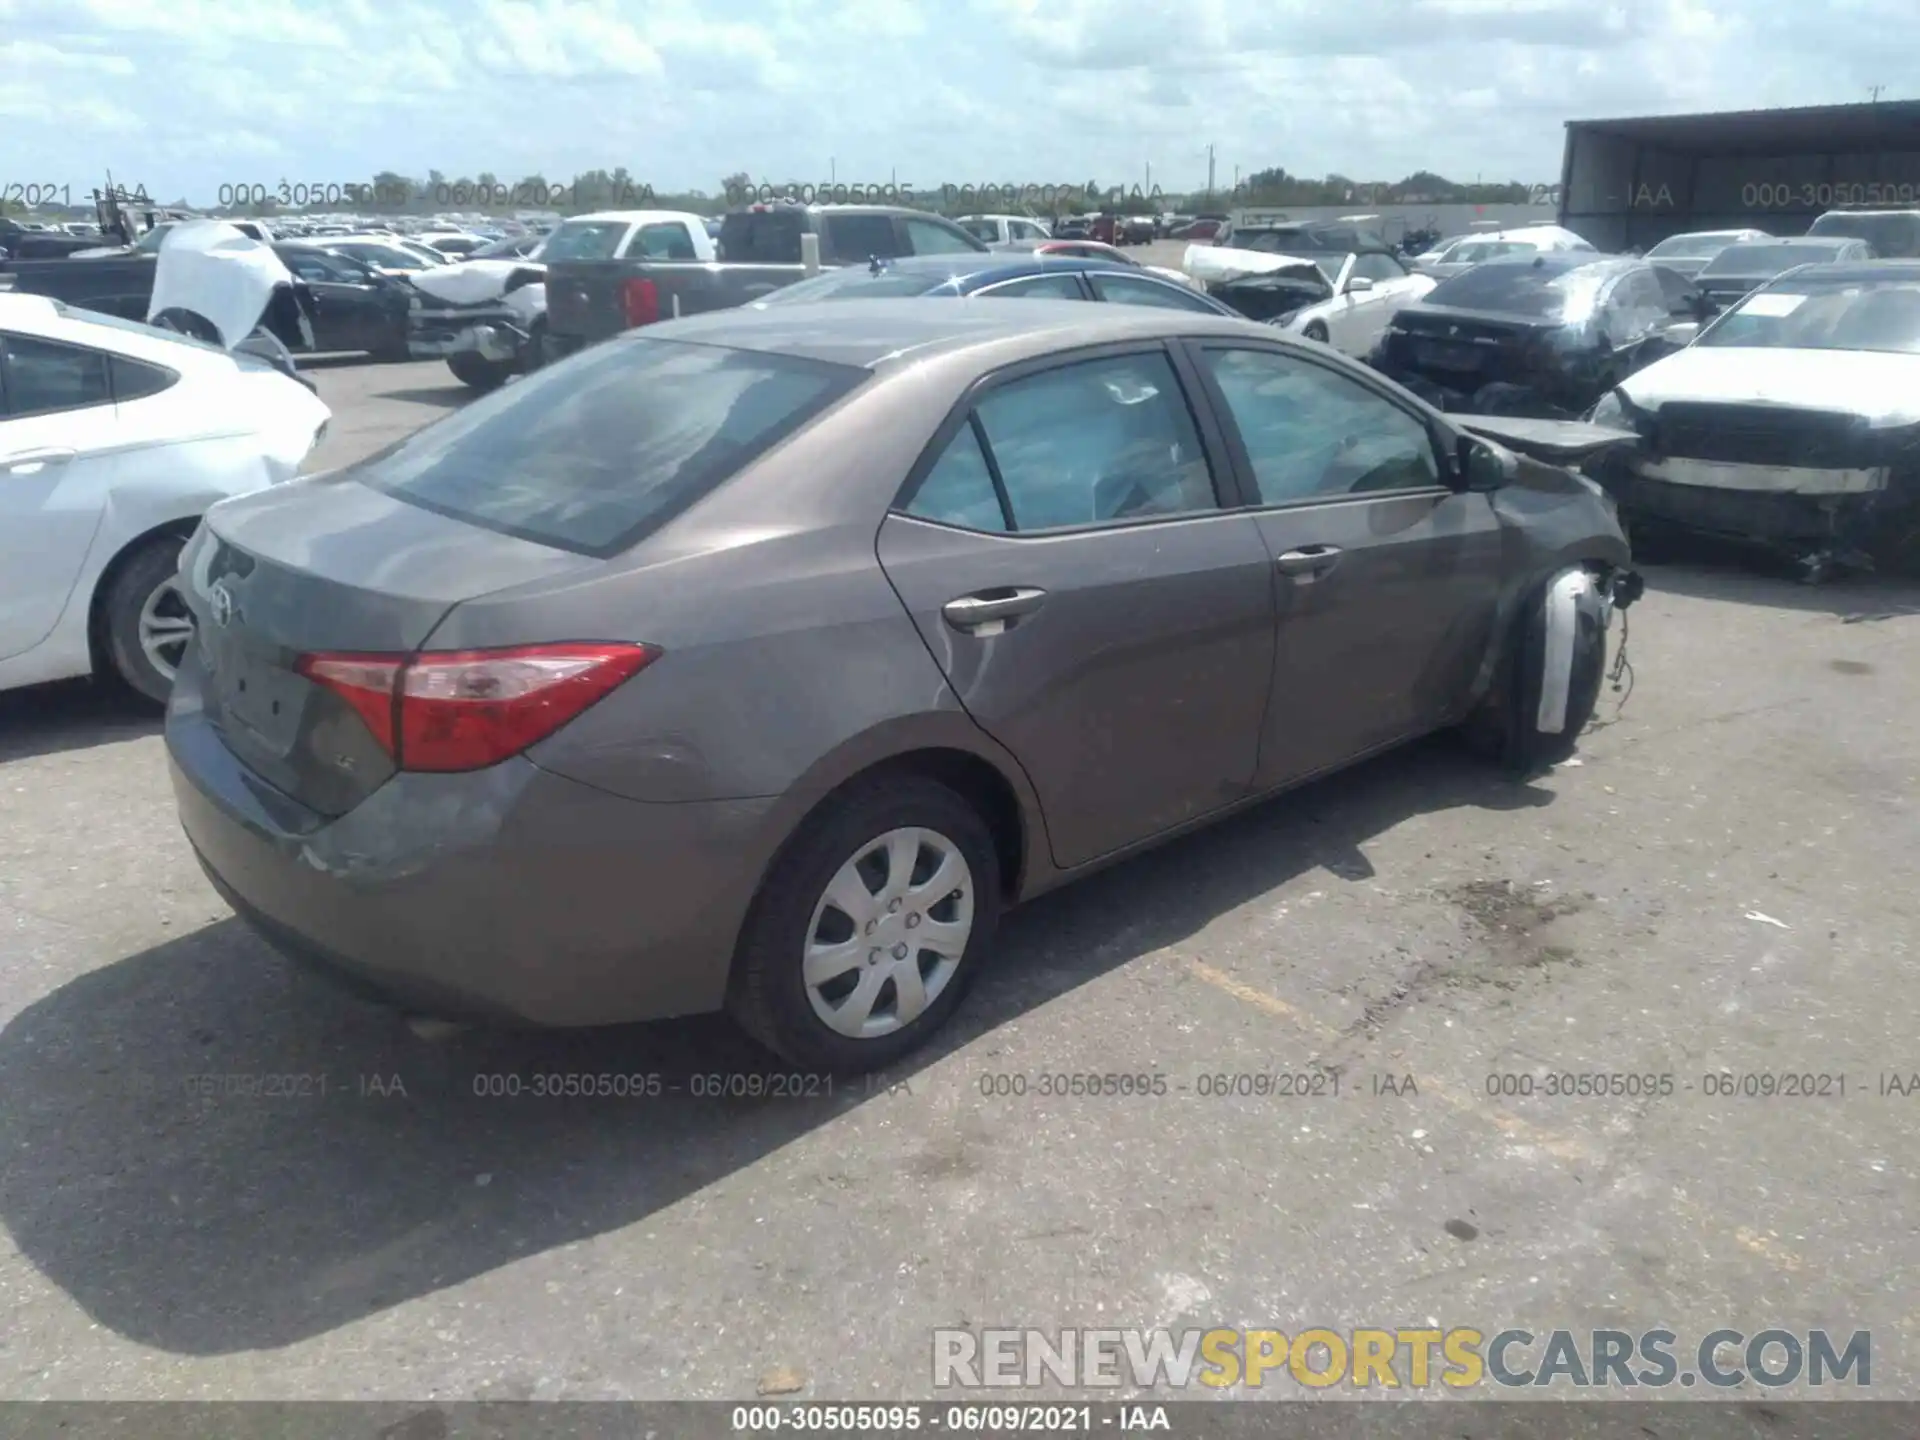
(328, 565)
(1470, 347)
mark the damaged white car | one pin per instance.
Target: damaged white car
(485, 316)
(1346, 301)
(115, 437)
(1791, 421)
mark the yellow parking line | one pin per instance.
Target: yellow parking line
(1572, 1148)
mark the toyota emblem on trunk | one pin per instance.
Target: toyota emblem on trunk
(220, 603)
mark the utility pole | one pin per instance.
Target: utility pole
(1209, 169)
(833, 171)
(1876, 91)
(1149, 189)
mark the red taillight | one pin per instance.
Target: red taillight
(468, 709)
(640, 302)
(369, 683)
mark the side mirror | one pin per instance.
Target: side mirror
(1359, 285)
(1680, 334)
(1479, 466)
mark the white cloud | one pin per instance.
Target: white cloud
(182, 94)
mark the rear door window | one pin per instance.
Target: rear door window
(586, 240)
(591, 454)
(930, 237)
(1138, 290)
(1038, 287)
(135, 379)
(758, 237)
(1096, 442)
(662, 240)
(959, 489)
(44, 377)
(861, 237)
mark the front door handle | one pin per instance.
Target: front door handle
(32, 462)
(1309, 562)
(986, 612)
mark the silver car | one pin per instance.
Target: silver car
(760, 660)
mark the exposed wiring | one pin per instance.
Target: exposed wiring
(1622, 667)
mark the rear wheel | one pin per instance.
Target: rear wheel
(1315, 331)
(869, 927)
(476, 372)
(145, 622)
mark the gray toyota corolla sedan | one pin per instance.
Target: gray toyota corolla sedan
(759, 660)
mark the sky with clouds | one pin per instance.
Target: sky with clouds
(182, 96)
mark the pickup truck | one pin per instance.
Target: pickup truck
(759, 250)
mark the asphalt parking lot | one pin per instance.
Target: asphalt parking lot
(1723, 881)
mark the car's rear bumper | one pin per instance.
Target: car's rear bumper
(508, 893)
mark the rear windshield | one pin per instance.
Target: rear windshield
(1765, 259)
(586, 240)
(1538, 292)
(1472, 252)
(1276, 242)
(1689, 247)
(858, 282)
(1889, 235)
(591, 454)
(761, 237)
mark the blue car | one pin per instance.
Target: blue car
(1031, 277)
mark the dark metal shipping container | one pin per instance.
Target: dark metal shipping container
(1626, 183)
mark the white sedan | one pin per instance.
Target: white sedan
(1362, 291)
(115, 437)
(1368, 291)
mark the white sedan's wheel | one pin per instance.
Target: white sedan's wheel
(889, 933)
(144, 618)
(166, 628)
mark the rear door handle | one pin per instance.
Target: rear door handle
(1309, 562)
(987, 611)
(32, 462)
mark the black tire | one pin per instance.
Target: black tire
(1315, 331)
(767, 994)
(136, 579)
(1506, 728)
(478, 373)
(534, 354)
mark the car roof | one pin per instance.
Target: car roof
(633, 217)
(1559, 262)
(881, 334)
(970, 265)
(1858, 270)
(1824, 242)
